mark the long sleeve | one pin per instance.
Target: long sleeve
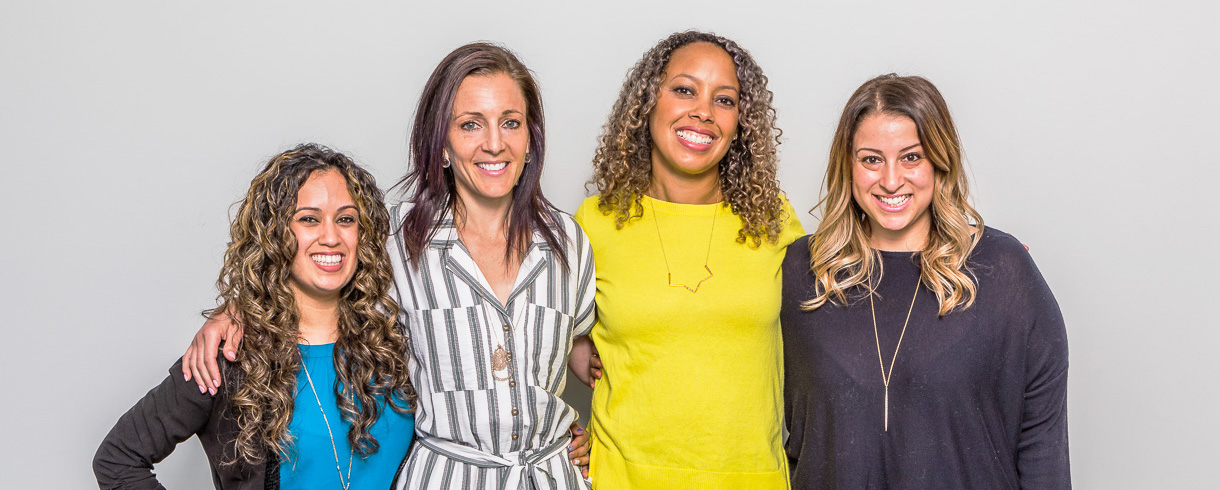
(170, 413)
(1042, 447)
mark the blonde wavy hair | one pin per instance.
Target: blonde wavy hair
(371, 350)
(842, 257)
(622, 166)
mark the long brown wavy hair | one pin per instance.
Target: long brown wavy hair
(371, 350)
(842, 256)
(622, 166)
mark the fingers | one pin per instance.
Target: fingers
(578, 450)
(194, 361)
(595, 366)
(233, 342)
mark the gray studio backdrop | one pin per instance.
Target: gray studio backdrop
(127, 129)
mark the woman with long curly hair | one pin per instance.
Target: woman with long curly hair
(688, 231)
(922, 349)
(493, 284)
(321, 395)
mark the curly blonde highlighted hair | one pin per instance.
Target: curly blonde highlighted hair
(371, 350)
(622, 166)
(842, 256)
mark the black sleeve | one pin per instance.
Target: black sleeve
(170, 413)
(1042, 446)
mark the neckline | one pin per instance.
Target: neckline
(314, 351)
(678, 208)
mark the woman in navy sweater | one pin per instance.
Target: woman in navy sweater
(921, 348)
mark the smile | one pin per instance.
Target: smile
(327, 260)
(693, 137)
(894, 201)
(492, 167)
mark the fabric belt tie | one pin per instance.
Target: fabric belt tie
(524, 466)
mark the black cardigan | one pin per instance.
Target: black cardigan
(171, 413)
(978, 398)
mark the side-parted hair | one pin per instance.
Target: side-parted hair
(842, 257)
(371, 350)
(430, 185)
(622, 166)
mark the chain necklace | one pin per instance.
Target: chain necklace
(346, 482)
(668, 273)
(887, 374)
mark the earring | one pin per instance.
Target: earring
(527, 157)
(445, 161)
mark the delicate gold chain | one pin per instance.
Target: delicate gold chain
(886, 375)
(347, 483)
(668, 273)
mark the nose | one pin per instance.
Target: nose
(702, 109)
(494, 143)
(891, 177)
(330, 234)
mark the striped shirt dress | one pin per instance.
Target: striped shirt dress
(489, 376)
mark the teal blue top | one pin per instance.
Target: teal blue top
(310, 462)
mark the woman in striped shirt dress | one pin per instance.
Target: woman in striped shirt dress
(493, 283)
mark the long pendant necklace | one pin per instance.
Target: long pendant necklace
(887, 374)
(500, 358)
(346, 482)
(668, 273)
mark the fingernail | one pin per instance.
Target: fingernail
(186, 377)
(216, 383)
(570, 448)
(576, 462)
(202, 389)
(213, 392)
(580, 430)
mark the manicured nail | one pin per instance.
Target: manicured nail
(576, 462)
(202, 389)
(216, 382)
(580, 430)
(213, 392)
(186, 377)
(570, 448)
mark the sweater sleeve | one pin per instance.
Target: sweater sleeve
(1042, 445)
(170, 413)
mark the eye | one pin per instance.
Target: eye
(512, 124)
(684, 90)
(726, 101)
(870, 160)
(912, 157)
(346, 220)
(469, 126)
(308, 218)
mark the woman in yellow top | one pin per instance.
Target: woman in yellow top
(688, 234)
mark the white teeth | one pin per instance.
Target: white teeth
(327, 259)
(492, 166)
(694, 137)
(894, 201)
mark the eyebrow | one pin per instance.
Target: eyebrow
(480, 114)
(858, 150)
(319, 210)
(722, 87)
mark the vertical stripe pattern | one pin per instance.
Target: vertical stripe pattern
(455, 324)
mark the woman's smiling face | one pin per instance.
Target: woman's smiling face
(695, 118)
(892, 181)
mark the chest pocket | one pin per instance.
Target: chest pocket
(454, 346)
(543, 340)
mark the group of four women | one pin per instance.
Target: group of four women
(669, 287)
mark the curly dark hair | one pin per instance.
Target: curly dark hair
(371, 350)
(622, 166)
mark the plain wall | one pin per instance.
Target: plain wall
(127, 129)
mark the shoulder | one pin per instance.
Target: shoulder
(591, 218)
(792, 229)
(398, 211)
(1002, 256)
(796, 256)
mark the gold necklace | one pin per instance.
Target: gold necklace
(669, 274)
(346, 482)
(886, 375)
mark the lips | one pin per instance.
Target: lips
(492, 167)
(329, 262)
(893, 203)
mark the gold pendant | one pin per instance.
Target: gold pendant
(499, 362)
(688, 288)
